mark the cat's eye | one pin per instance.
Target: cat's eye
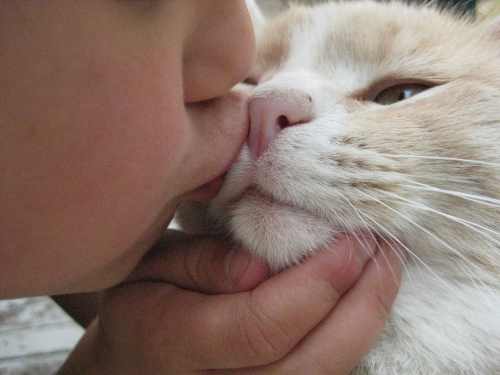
(399, 93)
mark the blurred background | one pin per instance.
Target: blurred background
(36, 335)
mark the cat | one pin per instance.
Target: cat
(380, 117)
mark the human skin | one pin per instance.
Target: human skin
(190, 308)
(104, 128)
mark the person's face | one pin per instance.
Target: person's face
(106, 123)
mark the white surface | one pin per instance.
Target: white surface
(35, 336)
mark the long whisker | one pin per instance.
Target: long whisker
(370, 228)
(396, 251)
(409, 251)
(343, 224)
(363, 242)
(481, 199)
(429, 233)
(444, 158)
(469, 224)
(445, 178)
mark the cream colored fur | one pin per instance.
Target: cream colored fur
(423, 173)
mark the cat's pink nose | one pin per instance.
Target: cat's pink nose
(272, 113)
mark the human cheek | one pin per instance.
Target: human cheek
(90, 166)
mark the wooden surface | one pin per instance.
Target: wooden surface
(35, 336)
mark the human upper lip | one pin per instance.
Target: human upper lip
(211, 188)
(207, 191)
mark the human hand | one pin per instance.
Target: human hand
(189, 309)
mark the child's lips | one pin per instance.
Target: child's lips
(207, 191)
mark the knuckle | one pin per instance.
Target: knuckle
(216, 272)
(201, 266)
(204, 269)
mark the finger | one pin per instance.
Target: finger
(204, 264)
(261, 326)
(338, 344)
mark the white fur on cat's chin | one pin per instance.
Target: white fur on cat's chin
(262, 222)
(265, 226)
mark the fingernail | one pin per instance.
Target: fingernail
(245, 270)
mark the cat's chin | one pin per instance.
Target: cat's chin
(277, 232)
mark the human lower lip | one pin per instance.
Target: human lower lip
(209, 190)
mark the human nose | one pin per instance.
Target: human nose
(220, 52)
(277, 110)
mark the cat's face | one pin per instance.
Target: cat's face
(395, 131)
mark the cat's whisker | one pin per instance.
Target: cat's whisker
(476, 198)
(349, 229)
(469, 224)
(442, 158)
(370, 231)
(408, 251)
(433, 236)
(343, 223)
(364, 242)
(440, 178)
(367, 227)
(399, 254)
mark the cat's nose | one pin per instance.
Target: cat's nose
(269, 114)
